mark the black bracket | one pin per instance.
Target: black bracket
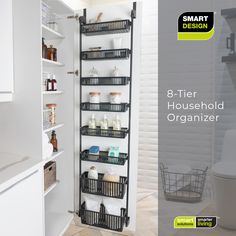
(133, 12)
(82, 19)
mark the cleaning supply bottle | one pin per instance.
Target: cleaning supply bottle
(104, 125)
(117, 123)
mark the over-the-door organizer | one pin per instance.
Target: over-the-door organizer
(103, 187)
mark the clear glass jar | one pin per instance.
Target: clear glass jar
(115, 97)
(52, 114)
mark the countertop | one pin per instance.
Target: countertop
(14, 167)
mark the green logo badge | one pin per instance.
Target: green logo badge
(196, 26)
(193, 222)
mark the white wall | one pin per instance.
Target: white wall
(77, 4)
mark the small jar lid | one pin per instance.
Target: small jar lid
(94, 93)
(115, 93)
(51, 105)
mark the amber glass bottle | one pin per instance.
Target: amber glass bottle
(53, 141)
(44, 49)
(52, 53)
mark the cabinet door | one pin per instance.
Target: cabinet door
(6, 46)
(22, 207)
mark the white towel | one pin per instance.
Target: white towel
(47, 150)
(45, 139)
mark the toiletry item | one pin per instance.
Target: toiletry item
(117, 43)
(93, 72)
(53, 141)
(54, 83)
(115, 72)
(93, 153)
(99, 17)
(114, 151)
(94, 97)
(116, 124)
(52, 114)
(53, 25)
(92, 122)
(48, 84)
(92, 174)
(115, 97)
(44, 49)
(111, 189)
(52, 53)
(104, 125)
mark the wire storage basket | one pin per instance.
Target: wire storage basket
(183, 187)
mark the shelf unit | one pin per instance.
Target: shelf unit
(52, 127)
(52, 92)
(54, 156)
(50, 63)
(100, 187)
(50, 34)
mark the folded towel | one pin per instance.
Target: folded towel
(47, 150)
(112, 206)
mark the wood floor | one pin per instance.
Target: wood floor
(146, 224)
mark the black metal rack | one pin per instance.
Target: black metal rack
(103, 188)
(104, 81)
(104, 106)
(108, 27)
(99, 186)
(102, 219)
(107, 54)
(103, 157)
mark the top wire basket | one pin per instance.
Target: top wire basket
(183, 187)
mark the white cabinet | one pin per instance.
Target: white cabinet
(6, 49)
(21, 207)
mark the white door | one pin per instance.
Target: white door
(6, 47)
(22, 207)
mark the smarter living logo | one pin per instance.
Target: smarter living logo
(196, 26)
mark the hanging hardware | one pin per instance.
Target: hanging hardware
(133, 12)
(73, 17)
(76, 72)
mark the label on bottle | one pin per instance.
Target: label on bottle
(54, 85)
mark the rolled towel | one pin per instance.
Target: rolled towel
(45, 138)
(47, 150)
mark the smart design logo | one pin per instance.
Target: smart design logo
(196, 26)
(195, 222)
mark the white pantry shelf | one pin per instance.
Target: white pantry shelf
(47, 191)
(57, 223)
(52, 127)
(54, 156)
(52, 92)
(50, 63)
(50, 33)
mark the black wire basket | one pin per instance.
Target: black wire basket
(103, 188)
(103, 220)
(187, 187)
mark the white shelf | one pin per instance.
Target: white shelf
(50, 33)
(51, 188)
(57, 223)
(52, 127)
(54, 156)
(52, 92)
(50, 63)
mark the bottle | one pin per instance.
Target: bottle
(52, 53)
(116, 123)
(44, 49)
(48, 85)
(104, 125)
(53, 141)
(92, 174)
(92, 125)
(115, 72)
(54, 83)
